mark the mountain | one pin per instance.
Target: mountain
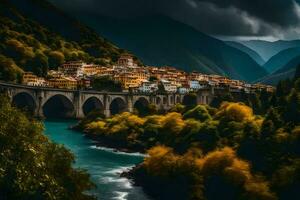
(273, 79)
(159, 40)
(281, 59)
(285, 72)
(36, 36)
(254, 55)
(268, 49)
(290, 66)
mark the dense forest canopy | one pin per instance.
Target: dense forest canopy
(201, 152)
(32, 167)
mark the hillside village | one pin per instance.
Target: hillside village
(79, 75)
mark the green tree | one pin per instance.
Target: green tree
(9, 71)
(161, 88)
(297, 85)
(153, 78)
(297, 73)
(265, 100)
(283, 88)
(32, 167)
(56, 58)
(39, 64)
(190, 100)
(293, 108)
(200, 112)
(217, 101)
(105, 83)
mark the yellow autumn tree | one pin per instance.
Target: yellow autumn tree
(173, 122)
(235, 112)
(160, 161)
(225, 165)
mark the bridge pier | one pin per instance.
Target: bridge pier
(39, 108)
(79, 113)
(78, 105)
(107, 113)
(106, 102)
(130, 103)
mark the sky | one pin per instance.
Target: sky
(226, 19)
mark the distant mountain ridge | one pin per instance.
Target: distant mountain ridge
(159, 40)
(281, 59)
(285, 72)
(253, 54)
(268, 49)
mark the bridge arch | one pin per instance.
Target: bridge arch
(141, 105)
(92, 104)
(158, 100)
(171, 100)
(24, 101)
(178, 99)
(117, 106)
(58, 106)
(190, 99)
(165, 100)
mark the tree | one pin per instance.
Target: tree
(9, 71)
(106, 84)
(297, 73)
(271, 123)
(153, 78)
(151, 109)
(32, 167)
(161, 88)
(190, 100)
(198, 177)
(293, 108)
(265, 100)
(217, 101)
(283, 88)
(234, 112)
(225, 172)
(56, 58)
(297, 85)
(39, 64)
(200, 112)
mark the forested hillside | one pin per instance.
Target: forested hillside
(36, 36)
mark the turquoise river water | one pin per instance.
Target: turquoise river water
(104, 165)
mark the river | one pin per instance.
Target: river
(104, 165)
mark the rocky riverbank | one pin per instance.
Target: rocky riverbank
(102, 141)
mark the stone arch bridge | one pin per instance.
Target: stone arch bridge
(52, 102)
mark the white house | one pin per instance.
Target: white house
(169, 87)
(194, 85)
(148, 86)
(183, 90)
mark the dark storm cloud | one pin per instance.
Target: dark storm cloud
(278, 18)
(281, 12)
(209, 18)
